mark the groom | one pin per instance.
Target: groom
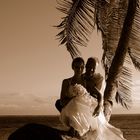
(93, 82)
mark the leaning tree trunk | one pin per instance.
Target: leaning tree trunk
(118, 60)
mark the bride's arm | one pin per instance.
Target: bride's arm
(100, 102)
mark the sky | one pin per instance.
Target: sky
(33, 64)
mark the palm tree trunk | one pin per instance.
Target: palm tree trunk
(118, 60)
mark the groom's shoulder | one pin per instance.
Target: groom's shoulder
(67, 80)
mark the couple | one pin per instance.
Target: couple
(80, 104)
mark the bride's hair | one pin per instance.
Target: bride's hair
(78, 60)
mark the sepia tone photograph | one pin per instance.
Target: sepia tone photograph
(69, 70)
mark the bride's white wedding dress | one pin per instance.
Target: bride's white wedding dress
(78, 114)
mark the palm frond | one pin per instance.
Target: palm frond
(123, 95)
(109, 20)
(134, 43)
(135, 57)
(77, 25)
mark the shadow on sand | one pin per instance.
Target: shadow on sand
(35, 131)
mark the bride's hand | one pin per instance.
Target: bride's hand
(97, 111)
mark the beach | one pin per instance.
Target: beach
(128, 123)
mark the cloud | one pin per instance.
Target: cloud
(27, 98)
(41, 99)
(9, 94)
(28, 104)
(13, 106)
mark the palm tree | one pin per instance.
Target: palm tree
(118, 21)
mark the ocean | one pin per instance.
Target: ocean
(128, 123)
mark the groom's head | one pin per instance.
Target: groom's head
(91, 65)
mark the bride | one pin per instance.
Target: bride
(79, 112)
